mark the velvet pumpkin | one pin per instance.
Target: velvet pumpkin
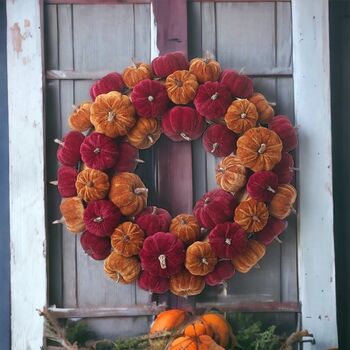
(181, 87)
(223, 271)
(283, 127)
(262, 186)
(135, 73)
(112, 114)
(219, 140)
(228, 240)
(259, 149)
(169, 63)
(239, 84)
(92, 184)
(184, 284)
(200, 259)
(215, 207)
(202, 342)
(272, 230)
(198, 327)
(251, 215)
(285, 169)
(162, 254)
(66, 178)
(282, 202)
(68, 149)
(182, 123)
(185, 227)
(101, 217)
(241, 116)
(152, 220)
(168, 320)
(153, 284)
(99, 151)
(150, 98)
(212, 100)
(128, 193)
(79, 119)
(265, 111)
(110, 82)
(231, 175)
(128, 158)
(145, 133)
(205, 69)
(98, 248)
(72, 210)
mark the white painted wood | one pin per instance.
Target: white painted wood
(27, 181)
(154, 47)
(313, 114)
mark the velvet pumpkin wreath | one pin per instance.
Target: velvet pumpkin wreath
(230, 226)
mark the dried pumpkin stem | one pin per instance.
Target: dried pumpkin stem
(89, 184)
(215, 96)
(138, 160)
(293, 169)
(243, 115)
(55, 183)
(221, 169)
(204, 231)
(215, 146)
(183, 221)
(269, 188)
(262, 148)
(293, 210)
(140, 190)
(154, 210)
(255, 218)
(111, 116)
(277, 239)
(58, 141)
(207, 200)
(228, 241)
(185, 137)
(272, 104)
(150, 98)
(135, 64)
(150, 138)
(178, 83)
(59, 221)
(162, 261)
(205, 261)
(98, 219)
(97, 150)
(241, 70)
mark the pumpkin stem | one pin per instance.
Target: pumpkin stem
(293, 169)
(228, 241)
(111, 116)
(183, 221)
(269, 188)
(58, 141)
(140, 190)
(277, 239)
(208, 56)
(215, 146)
(204, 231)
(154, 209)
(272, 104)
(205, 261)
(215, 96)
(241, 71)
(262, 148)
(55, 183)
(178, 83)
(138, 160)
(207, 200)
(185, 137)
(162, 261)
(150, 98)
(135, 64)
(59, 221)
(98, 219)
(220, 169)
(97, 150)
(74, 107)
(243, 115)
(118, 277)
(150, 138)
(293, 210)
(89, 184)
(255, 218)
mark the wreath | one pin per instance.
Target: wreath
(230, 226)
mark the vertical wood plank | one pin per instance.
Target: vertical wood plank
(283, 35)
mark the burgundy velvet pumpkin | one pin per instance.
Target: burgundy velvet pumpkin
(99, 151)
(167, 64)
(239, 84)
(153, 284)
(152, 220)
(101, 217)
(215, 207)
(128, 158)
(219, 140)
(162, 254)
(228, 240)
(262, 186)
(224, 270)
(110, 82)
(285, 169)
(183, 124)
(66, 178)
(68, 152)
(272, 229)
(97, 248)
(212, 100)
(150, 98)
(283, 127)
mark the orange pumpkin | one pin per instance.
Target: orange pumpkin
(265, 111)
(245, 261)
(168, 321)
(80, 118)
(185, 227)
(205, 69)
(92, 184)
(231, 175)
(145, 133)
(259, 149)
(127, 239)
(241, 116)
(282, 202)
(184, 284)
(112, 114)
(128, 193)
(72, 210)
(181, 87)
(251, 215)
(200, 258)
(135, 73)
(202, 342)
(198, 327)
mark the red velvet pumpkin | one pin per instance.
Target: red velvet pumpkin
(262, 186)
(273, 229)
(167, 64)
(283, 127)
(223, 271)
(152, 220)
(110, 82)
(215, 207)
(101, 217)
(219, 140)
(228, 240)
(183, 124)
(239, 84)
(97, 248)
(99, 151)
(150, 98)
(153, 284)
(66, 178)
(128, 158)
(68, 152)
(285, 169)
(162, 254)
(212, 100)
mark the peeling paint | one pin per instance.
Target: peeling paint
(17, 38)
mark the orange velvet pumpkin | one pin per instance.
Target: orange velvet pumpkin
(168, 320)
(198, 327)
(72, 210)
(245, 261)
(241, 116)
(80, 118)
(184, 284)
(265, 111)
(205, 69)
(202, 342)
(185, 227)
(128, 193)
(127, 239)
(181, 87)
(231, 175)
(145, 133)
(135, 73)
(92, 184)
(282, 202)
(200, 258)
(112, 114)
(259, 149)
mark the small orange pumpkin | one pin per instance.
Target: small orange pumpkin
(198, 327)
(184, 284)
(145, 133)
(241, 116)
(265, 111)
(92, 184)
(251, 215)
(128, 193)
(80, 118)
(135, 73)
(202, 342)
(245, 261)
(231, 175)
(282, 202)
(200, 258)
(72, 210)
(205, 69)
(185, 227)
(168, 320)
(181, 87)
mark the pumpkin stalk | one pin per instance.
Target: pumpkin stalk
(228, 241)
(97, 150)
(207, 200)
(184, 136)
(111, 116)
(58, 141)
(150, 98)
(162, 261)
(262, 148)
(293, 210)
(243, 115)
(221, 169)
(178, 83)
(293, 169)
(154, 209)
(134, 63)
(269, 188)
(150, 138)
(138, 160)
(272, 104)
(215, 146)
(277, 239)
(98, 219)
(140, 190)
(205, 261)
(55, 183)
(59, 221)
(241, 71)
(215, 96)
(255, 218)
